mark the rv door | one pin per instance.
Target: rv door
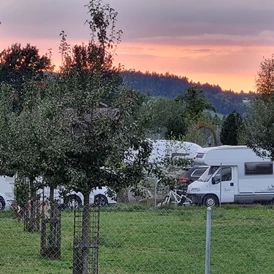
(226, 180)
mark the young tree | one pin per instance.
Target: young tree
(231, 128)
(100, 127)
(21, 151)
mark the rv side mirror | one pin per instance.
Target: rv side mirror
(216, 179)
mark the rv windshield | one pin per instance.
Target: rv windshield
(208, 173)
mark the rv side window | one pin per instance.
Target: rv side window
(200, 155)
(258, 168)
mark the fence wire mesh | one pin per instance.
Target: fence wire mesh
(142, 238)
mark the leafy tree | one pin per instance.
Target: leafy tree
(167, 113)
(21, 64)
(6, 137)
(265, 78)
(259, 118)
(21, 153)
(195, 103)
(259, 126)
(231, 128)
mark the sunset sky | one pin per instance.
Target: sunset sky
(215, 41)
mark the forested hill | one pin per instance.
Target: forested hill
(169, 85)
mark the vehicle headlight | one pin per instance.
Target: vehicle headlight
(195, 189)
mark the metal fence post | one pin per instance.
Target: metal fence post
(208, 233)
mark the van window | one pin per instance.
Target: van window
(253, 168)
(208, 173)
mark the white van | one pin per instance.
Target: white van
(6, 192)
(235, 174)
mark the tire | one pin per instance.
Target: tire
(210, 201)
(73, 201)
(2, 203)
(100, 200)
(183, 199)
(165, 201)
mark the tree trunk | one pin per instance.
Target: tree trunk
(86, 239)
(86, 233)
(32, 212)
(51, 238)
(81, 238)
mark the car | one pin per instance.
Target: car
(190, 175)
(100, 196)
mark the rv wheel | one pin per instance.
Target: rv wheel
(210, 200)
(2, 203)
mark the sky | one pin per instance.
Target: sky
(218, 42)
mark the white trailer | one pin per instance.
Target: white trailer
(6, 192)
(235, 174)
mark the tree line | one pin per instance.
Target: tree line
(169, 85)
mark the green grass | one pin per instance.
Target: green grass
(135, 239)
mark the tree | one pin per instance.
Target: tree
(98, 125)
(259, 126)
(21, 152)
(265, 78)
(167, 113)
(21, 64)
(231, 129)
(259, 118)
(195, 103)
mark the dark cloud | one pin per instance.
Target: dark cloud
(43, 19)
(194, 17)
(139, 18)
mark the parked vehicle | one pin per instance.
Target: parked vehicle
(100, 196)
(235, 174)
(6, 192)
(190, 175)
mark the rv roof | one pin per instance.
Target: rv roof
(206, 149)
(227, 155)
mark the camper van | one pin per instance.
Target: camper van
(235, 174)
(6, 192)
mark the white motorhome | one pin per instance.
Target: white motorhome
(6, 192)
(235, 174)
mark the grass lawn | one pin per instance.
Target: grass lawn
(135, 239)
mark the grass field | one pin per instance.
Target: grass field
(135, 239)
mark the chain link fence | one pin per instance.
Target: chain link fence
(139, 237)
